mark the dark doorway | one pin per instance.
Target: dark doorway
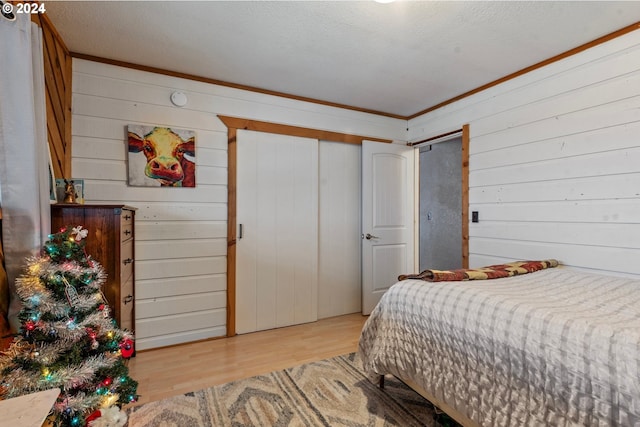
(441, 205)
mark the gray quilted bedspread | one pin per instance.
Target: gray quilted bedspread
(551, 348)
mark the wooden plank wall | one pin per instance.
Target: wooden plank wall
(181, 233)
(57, 80)
(553, 161)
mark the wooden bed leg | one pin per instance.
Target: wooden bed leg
(381, 383)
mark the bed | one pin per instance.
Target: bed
(554, 347)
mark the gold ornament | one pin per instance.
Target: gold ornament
(70, 195)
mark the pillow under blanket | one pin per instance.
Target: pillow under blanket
(489, 272)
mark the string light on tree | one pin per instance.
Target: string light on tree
(68, 339)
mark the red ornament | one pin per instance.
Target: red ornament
(107, 381)
(101, 307)
(30, 325)
(126, 348)
(94, 416)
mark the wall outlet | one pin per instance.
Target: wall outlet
(474, 216)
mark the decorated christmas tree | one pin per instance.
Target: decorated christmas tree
(67, 338)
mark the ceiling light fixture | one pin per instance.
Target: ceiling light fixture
(384, 1)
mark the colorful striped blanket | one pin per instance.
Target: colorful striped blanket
(489, 272)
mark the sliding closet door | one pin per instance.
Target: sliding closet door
(339, 250)
(277, 217)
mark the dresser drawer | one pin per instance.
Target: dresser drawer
(126, 305)
(126, 225)
(126, 254)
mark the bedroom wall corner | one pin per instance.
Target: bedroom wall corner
(553, 161)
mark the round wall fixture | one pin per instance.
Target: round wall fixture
(179, 99)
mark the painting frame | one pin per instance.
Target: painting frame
(160, 156)
(52, 180)
(78, 185)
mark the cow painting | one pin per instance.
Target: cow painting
(166, 157)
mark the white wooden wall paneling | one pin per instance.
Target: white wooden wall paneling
(212, 157)
(617, 211)
(180, 230)
(588, 234)
(171, 286)
(489, 260)
(607, 115)
(109, 191)
(597, 164)
(237, 102)
(179, 323)
(180, 233)
(588, 142)
(190, 334)
(594, 80)
(99, 169)
(139, 112)
(157, 249)
(603, 259)
(519, 91)
(114, 150)
(553, 161)
(155, 269)
(589, 188)
(180, 304)
(592, 95)
(89, 127)
(111, 149)
(153, 211)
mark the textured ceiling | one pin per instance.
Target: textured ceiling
(398, 58)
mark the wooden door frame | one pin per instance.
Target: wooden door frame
(233, 124)
(465, 196)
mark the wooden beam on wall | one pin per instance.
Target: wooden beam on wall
(57, 80)
(465, 196)
(231, 231)
(258, 126)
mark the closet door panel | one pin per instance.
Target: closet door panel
(277, 209)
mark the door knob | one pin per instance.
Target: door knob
(370, 236)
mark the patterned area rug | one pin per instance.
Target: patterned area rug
(331, 392)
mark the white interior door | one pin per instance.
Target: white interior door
(387, 218)
(277, 217)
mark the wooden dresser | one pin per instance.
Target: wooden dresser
(110, 242)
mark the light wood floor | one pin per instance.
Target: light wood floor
(180, 369)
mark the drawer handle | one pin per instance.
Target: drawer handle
(128, 299)
(127, 217)
(127, 261)
(127, 232)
